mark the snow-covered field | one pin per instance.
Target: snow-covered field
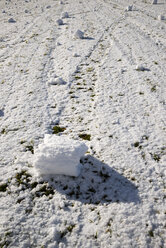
(107, 89)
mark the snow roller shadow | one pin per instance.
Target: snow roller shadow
(1, 113)
(88, 38)
(98, 183)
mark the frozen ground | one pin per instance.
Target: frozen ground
(119, 200)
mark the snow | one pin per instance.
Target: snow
(118, 111)
(56, 81)
(59, 155)
(140, 68)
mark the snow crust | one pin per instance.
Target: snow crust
(59, 155)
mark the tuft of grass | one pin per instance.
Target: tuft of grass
(95, 235)
(90, 69)
(93, 95)
(68, 229)
(151, 234)
(44, 190)
(3, 187)
(153, 89)
(85, 136)
(22, 178)
(136, 144)
(104, 175)
(58, 129)
(33, 185)
(109, 231)
(3, 131)
(22, 142)
(156, 157)
(77, 77)
(29, 148)
(92, 190)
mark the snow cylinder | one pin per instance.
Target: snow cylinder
(59, 22)
(59, 155)
(161, 18)
(79, 34)
(65, 15)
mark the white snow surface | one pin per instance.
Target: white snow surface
(119, 199)
(59, 155)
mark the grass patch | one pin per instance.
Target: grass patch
(156, 157)
(136, 144)
(58, 129)
(85, 136)
(90, 69)
(22, 142)
(153, 89)
(151, 234)
(68, 229)
(44, 190)
(3, 131)
(33, 185)
(22, 177)
(93, 95)
(3, 187)
(29, 148)
(77, 77)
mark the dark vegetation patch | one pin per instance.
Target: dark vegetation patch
(29, 148)
(44, 190)
(85, 136)
(57, 129)
(3, 187)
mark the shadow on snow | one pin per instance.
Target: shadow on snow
(1, 113)
(97, 184)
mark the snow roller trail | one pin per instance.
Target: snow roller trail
(24, 86)
(126, 117)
